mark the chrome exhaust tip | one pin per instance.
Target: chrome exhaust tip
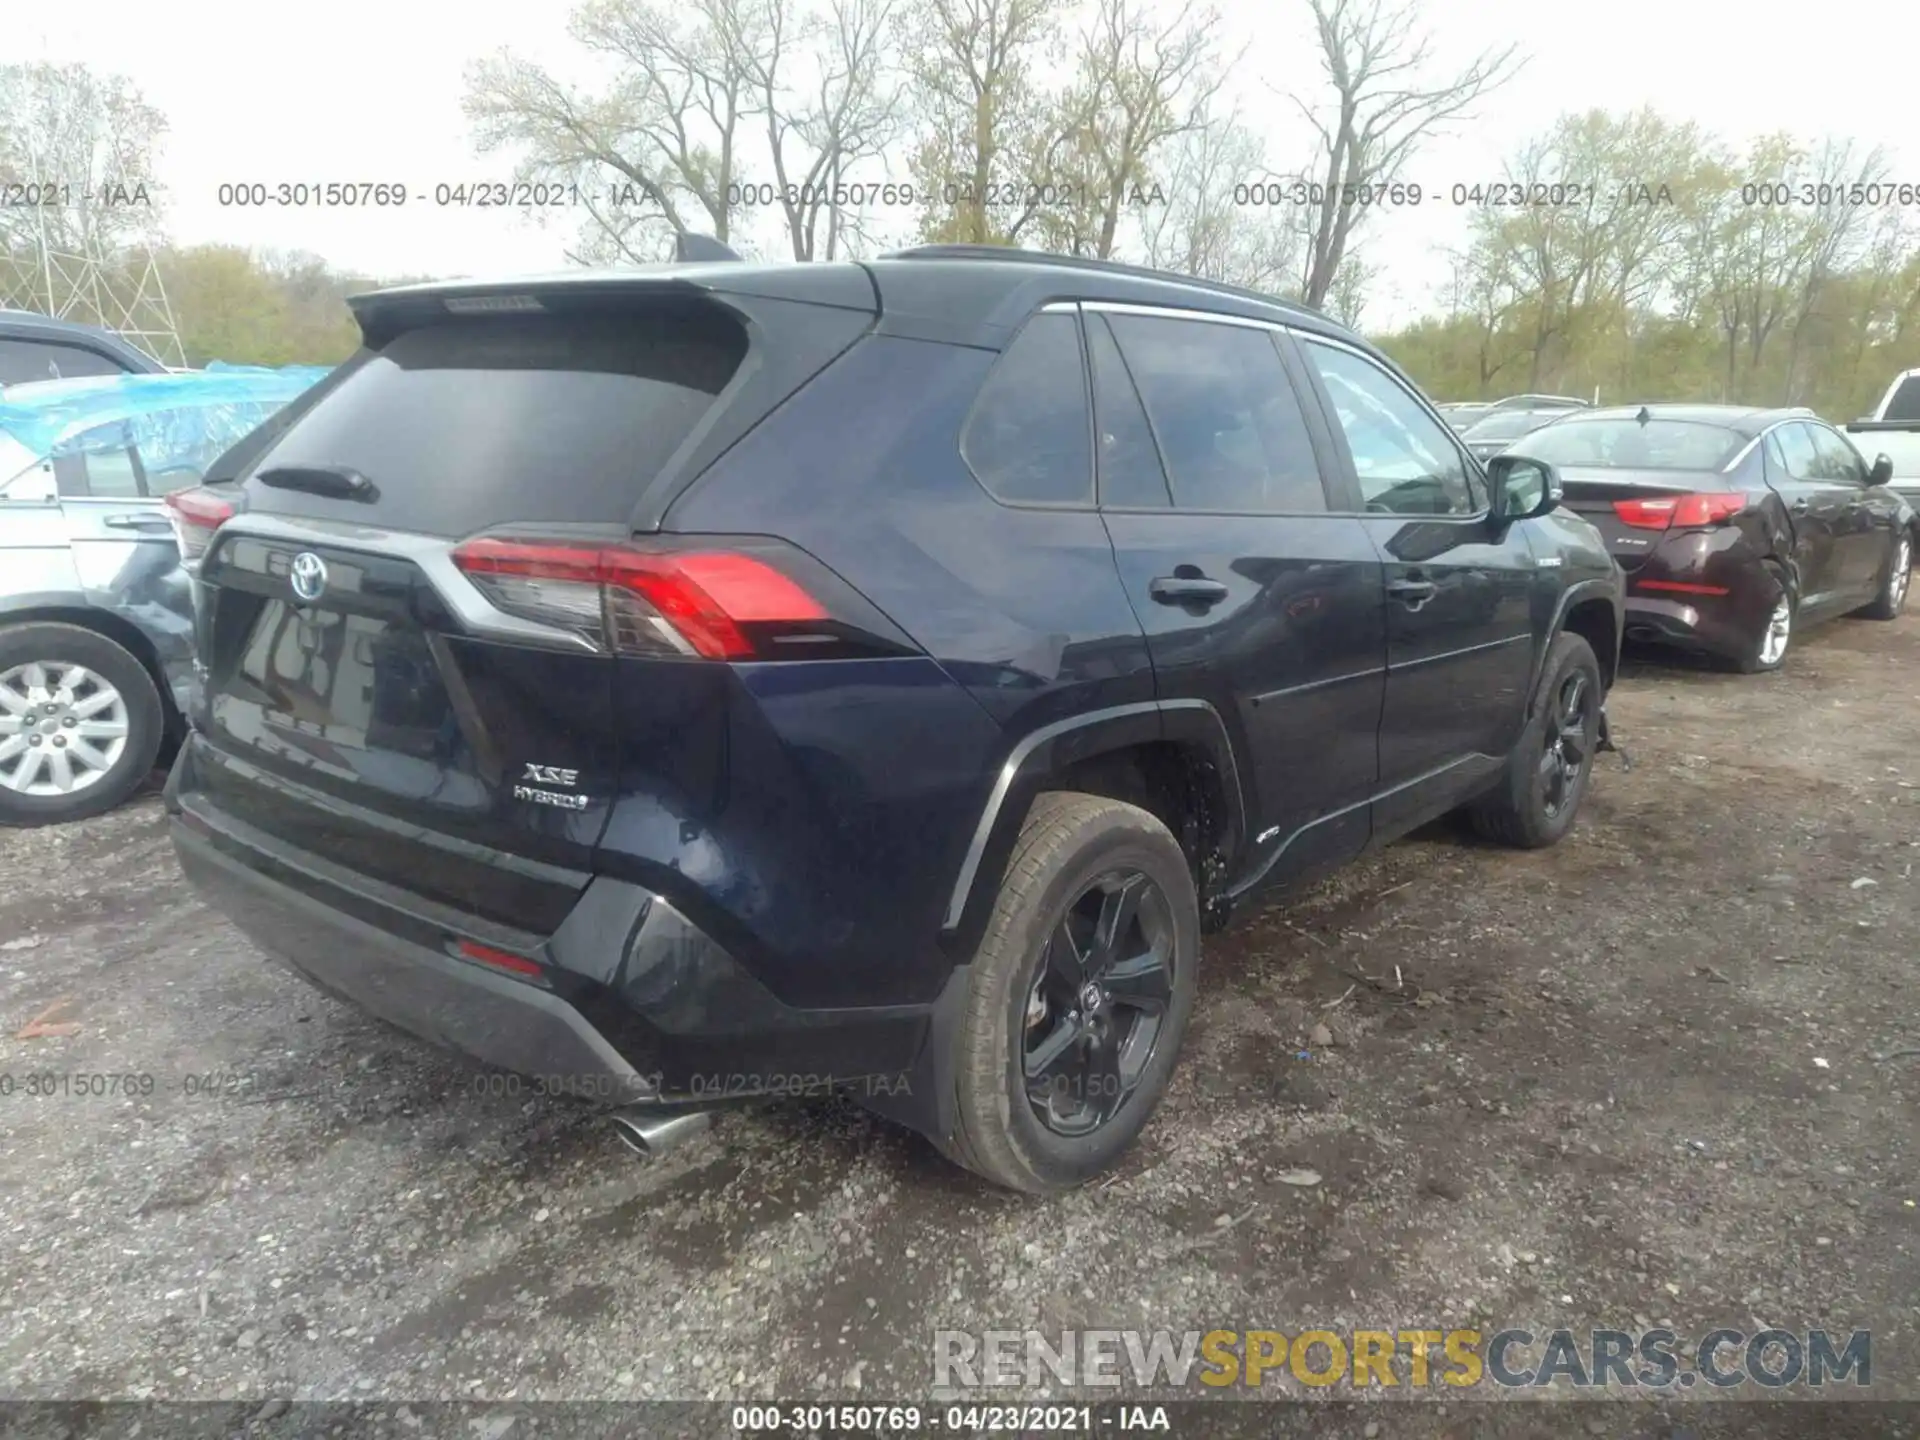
(649, 1132)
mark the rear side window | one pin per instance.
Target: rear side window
(1028, 438)
(1796, 452)
(482, 421)
(24, 361)
(1130, 470)
(1225, 415)
(99, 475)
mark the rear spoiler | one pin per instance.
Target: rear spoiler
(708, 269)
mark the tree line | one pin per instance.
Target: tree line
(1631, 255)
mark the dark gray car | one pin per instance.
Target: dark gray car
(37, 347)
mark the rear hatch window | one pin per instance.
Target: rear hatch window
(485, 420)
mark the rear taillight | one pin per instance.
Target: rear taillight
(1681, 512)
(713, 604)
(196, 514)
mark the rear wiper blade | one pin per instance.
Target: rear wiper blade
(335, 482)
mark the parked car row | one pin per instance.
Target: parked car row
(721, 680)
(1491, 430)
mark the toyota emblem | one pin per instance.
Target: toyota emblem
(309, 576)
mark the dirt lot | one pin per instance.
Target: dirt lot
(1634, 1079)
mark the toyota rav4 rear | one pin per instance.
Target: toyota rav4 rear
(479, 747)
(716, 682)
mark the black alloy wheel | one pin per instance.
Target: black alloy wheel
(1567, 745)
(1098, 1003)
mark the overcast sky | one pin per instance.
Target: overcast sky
(363, 90)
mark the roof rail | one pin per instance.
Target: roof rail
(1082, 262)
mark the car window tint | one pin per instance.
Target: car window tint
(1837, 458)
(1404, 458)
(1802, 461)
(1130, 472)
(24, 361)
(1904, 403)
(1226, 417)
(113, 474)
(1029, 437)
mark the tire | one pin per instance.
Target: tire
(1759, 658)
(134, 709)
(1548, 770)
(1892, 596)
(1070, 847)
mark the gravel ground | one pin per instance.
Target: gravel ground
(1633, 1079)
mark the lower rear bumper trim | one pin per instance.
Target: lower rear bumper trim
(489, 1017)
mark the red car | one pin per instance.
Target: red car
(1735, 527)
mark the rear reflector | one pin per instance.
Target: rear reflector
(1681, 512)
(638, 602)
(498, 959)
(196, 514)
(1681, 587)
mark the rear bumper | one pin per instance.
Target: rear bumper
(1700, 590)
(453, 1003)
(1691, 623)
(632, 1001)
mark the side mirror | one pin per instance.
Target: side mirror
(1522, 487)
(1882, 470)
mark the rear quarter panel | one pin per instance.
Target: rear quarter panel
(874, 782)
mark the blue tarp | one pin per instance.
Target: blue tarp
(186, 418)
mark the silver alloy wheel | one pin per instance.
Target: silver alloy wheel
(1773, 644)
(1902, 567)
(61, 728)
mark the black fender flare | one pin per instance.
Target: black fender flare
(1048, 749)
(1575, 594)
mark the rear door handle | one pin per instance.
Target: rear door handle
(138, 522)
(1186, 590)
(1414, 593)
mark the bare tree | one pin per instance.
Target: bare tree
(1208, 227)
(1835, 232)
(85, 145)
(1380, 107)
(1347, 300)
(1139, 85)
(849, 113)
(661, 146)
(990, 133)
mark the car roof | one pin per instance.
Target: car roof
(31, 325)
(964, 294)
(1748, 420)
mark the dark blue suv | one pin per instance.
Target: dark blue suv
(721, 681)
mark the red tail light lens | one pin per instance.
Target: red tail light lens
(196, 514)
(1681, 512)
(639, 602)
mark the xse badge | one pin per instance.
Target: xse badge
(547, 775)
